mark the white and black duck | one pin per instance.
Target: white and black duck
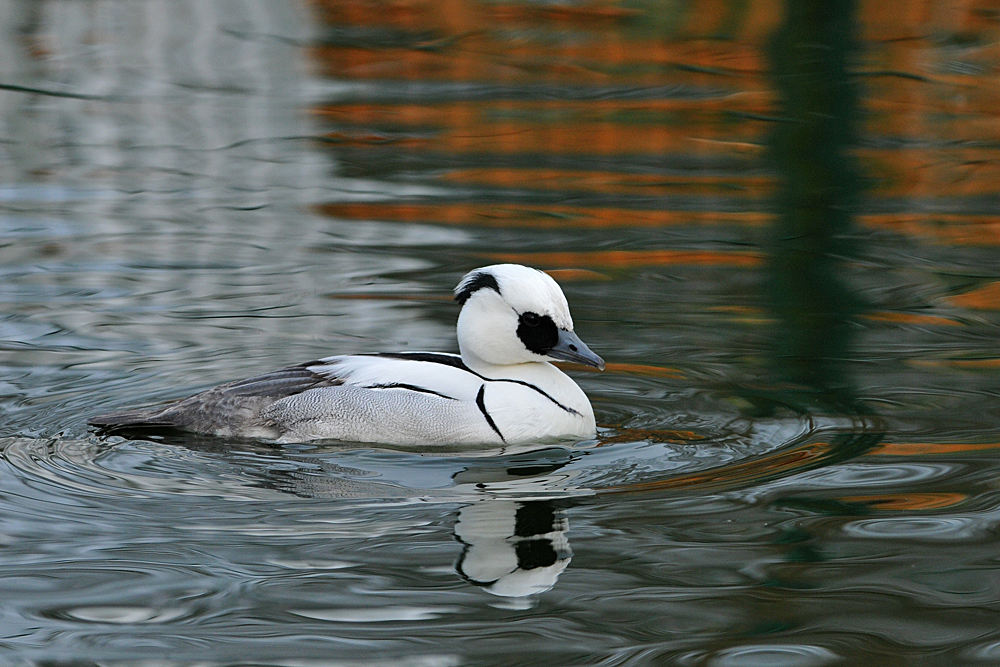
(501, 389)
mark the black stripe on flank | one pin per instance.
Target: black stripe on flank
(482, 408)
(410, 387)
(539, 390)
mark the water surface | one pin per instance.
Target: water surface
(778, 226)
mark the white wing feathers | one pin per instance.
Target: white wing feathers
(378, 372)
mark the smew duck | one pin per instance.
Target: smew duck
(501, 389)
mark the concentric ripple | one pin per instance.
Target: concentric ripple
(695, 449)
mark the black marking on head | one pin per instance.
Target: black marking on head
(476, 282)
(480, 401)
(538, 332)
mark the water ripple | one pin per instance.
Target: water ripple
(124, 615)
(375, 614)
(774, 655)
(919, 528)
(636, 455)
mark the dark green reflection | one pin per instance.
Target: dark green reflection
(809, 60)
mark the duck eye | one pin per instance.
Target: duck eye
(531, 319)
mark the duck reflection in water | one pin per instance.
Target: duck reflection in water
(512, 548)
(514, 537)
(513, 534)
(514, 542)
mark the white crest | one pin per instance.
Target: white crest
(494, 297)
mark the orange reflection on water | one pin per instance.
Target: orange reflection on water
(363, 138)
(742, 474)
(912, 318)
(986, 297)
(921, 448)
(651, 435)
(929, 105)
(953, 229)
(643, 369)
(592, 127)
(631, 369)
(627, 259)
(593, 14)
(564, 275)
(449, 39)
(584, 137)
(669, 111)
(468, 58)
(609, 182)
(908, 501)
(538, 217)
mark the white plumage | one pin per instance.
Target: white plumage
(501, 389)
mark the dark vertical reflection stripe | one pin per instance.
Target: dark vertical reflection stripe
(809, 62)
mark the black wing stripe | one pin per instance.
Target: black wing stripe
(482, 408)
(410, 387)
(432, 357)
(456, 362)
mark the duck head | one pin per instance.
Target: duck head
(513, 314)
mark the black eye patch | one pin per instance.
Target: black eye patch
(538, 332)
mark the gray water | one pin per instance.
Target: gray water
(788, 260)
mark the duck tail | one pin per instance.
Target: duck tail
(125, 419)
